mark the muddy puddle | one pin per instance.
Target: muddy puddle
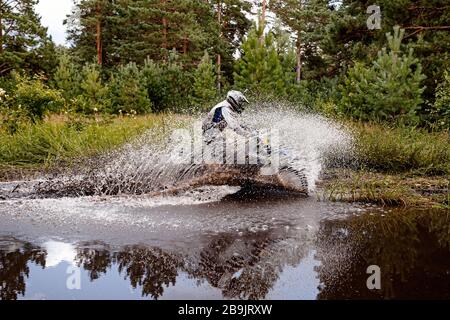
(214, 243)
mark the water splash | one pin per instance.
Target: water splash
(146, 165)
(310, 137)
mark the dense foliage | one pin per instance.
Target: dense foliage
(137, 57)
(24, 43)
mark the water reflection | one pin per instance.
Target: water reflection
(411, 248)
(94, 258)
(150, 268)
(248, 267)
(244, 267)
(14, 266)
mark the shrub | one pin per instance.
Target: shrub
(10, 117)
(33, 98)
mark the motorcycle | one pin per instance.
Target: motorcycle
(258, 165)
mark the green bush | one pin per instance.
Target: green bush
(32, 98)
(10, 117)
(127, 90)
(388, 90)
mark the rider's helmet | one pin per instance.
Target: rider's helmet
(237, 100)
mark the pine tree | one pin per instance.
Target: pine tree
(91, 30)
(440, 110)
(233, 24)
(259, 69)
(127, 91)
(390, 89)
(24, 43)
(348, 38)
(134, 30)
(66, 77)
(287, 54)
(204, 88)
(93, 95)
(307, 20)
(168, 84)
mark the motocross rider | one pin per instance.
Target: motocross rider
(224, 115)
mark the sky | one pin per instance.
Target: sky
(52, 13)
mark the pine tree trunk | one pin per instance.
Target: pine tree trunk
(185, 45)
(263, 13)
(164, 43)
(1, 33)
(99, 36)
(164, 20)
(262, 21)
(299, 60)
(219, 58)
(219, 78)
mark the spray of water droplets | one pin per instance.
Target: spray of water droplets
(311, 138)
(146, 165)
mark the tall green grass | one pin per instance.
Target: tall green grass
(61, 139)
(402, 149)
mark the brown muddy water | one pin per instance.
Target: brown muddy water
(212, 244)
